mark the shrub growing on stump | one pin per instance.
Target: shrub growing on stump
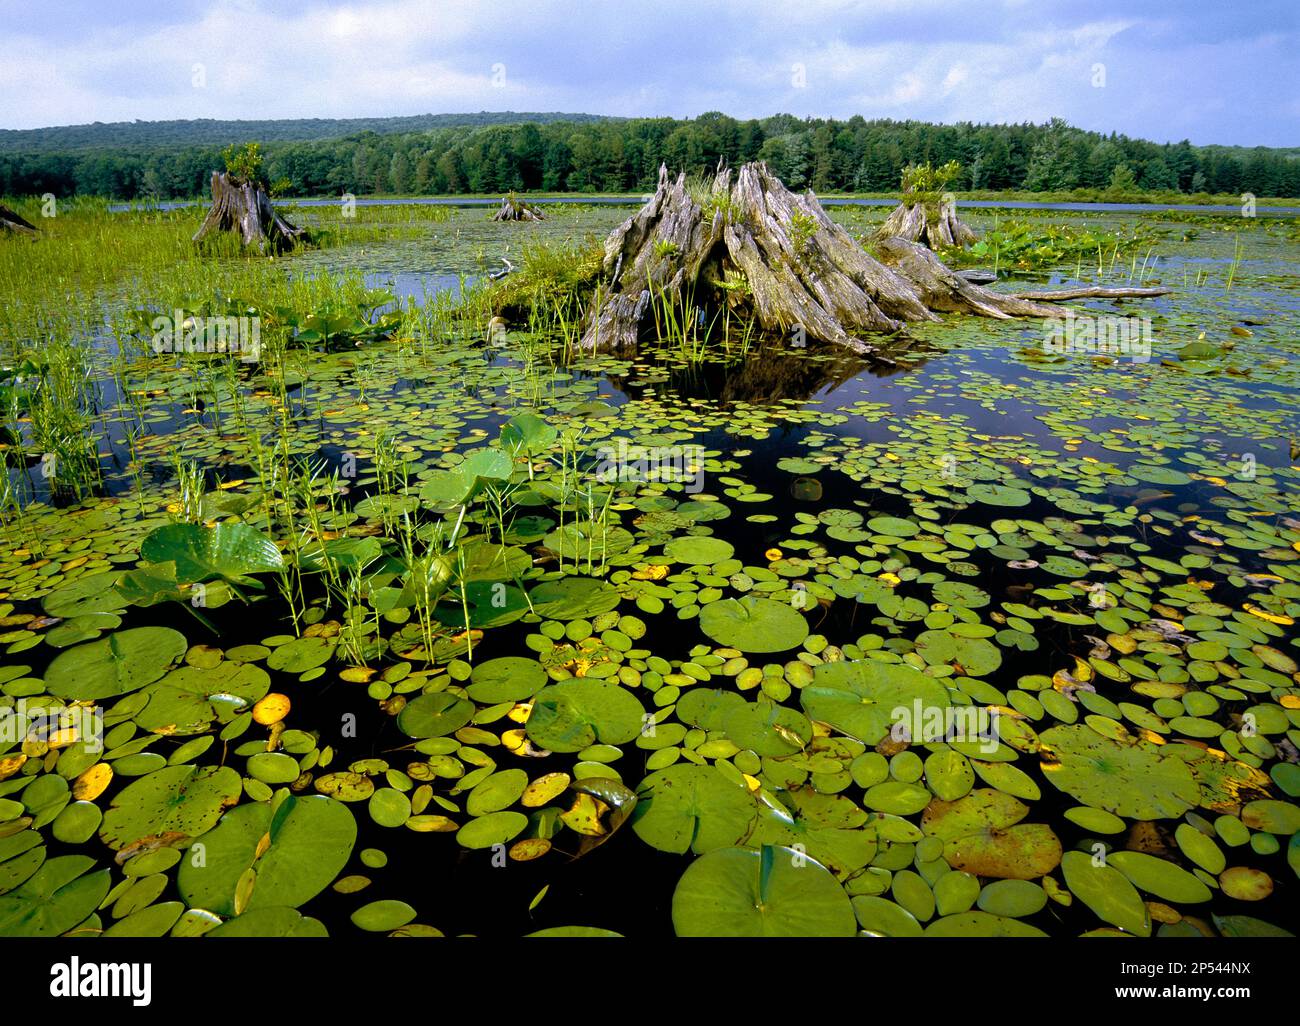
(241, 203)
(928, 213)
(746, 242)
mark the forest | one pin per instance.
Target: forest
(580, 154)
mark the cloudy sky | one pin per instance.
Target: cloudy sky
(1212, 71)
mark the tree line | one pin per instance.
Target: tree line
(624, 155)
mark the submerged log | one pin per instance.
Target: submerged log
(514, 209)
(762, 251)
(245, 207)
(934, 225)
(12, 221)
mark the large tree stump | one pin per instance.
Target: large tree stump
(514, 209)
(770, 254)
(934, 225)
(12, 221)
(245, 207)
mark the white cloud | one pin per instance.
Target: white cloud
(927, 59)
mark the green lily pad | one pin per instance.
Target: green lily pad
(302, 654)
(865, 699)
(495, 828)
(698, 551)
(123, 662)
(1137, 780)
(573, 598)
(1160, 877)
(997, 494)
(754, 624)
(692, 808)
(775, 892)
(270, 922)
(435, 715)
(310, 841)
(569, 716)
(506, 679)
(54, 899)
(1107, 892)
(497, 792)
(1012, 898)
(189, 698)
(229, 550)
(382, 916)
(177, 802)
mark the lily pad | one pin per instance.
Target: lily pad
(294, 849)
(692, 808)
(775, 892)
(228, 550)
(1137, 780)
(569, 716)
(189, 698)
(1107, 892)
(123, 662)
(753, 624)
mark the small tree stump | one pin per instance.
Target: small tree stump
(245, 207)
(776, 257)
(12, 221)
(514, 209)
(934, 225)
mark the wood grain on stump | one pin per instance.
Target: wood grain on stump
(245, 208)
(747, 241)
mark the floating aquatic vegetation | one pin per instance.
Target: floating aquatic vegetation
(1021, 663)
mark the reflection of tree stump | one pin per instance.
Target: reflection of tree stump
(244, 207)
(934, 225)
(514, 209)
(11, 221)
(775, 256)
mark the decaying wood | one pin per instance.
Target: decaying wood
(12, 221)
(1096, 292)
(513, 209)
(758, 248)
(245, 207)
(934, 225)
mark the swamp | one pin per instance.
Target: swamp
(343, 591)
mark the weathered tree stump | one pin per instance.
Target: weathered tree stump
(767, 253)
(933, 224)
(514, 209)
(12, 221)
(245, 207)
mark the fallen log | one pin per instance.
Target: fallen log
(12, 221)
(1096, 292)
(244, 207)
(763, 252)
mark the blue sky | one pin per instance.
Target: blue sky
(1213, 72)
